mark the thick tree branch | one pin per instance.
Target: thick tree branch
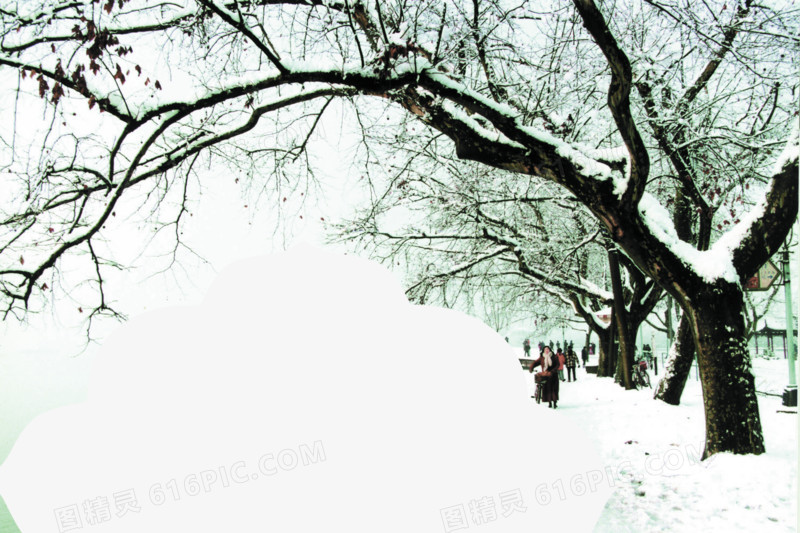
(765, 234)
(619, 99)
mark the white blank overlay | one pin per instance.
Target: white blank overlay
(304, 394)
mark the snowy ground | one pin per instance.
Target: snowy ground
(653, 449)
(661, 486)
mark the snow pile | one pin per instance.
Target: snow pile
(229, 416)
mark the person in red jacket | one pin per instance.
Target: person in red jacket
(561, 360)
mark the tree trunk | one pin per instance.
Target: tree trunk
(618, 378)
(602, 355)
(606, 362)
(668, 320)
(621, 315)
(588, 338)
(716, 313)
(681, 354)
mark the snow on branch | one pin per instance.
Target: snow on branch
(551, 158)
(457, 269)
(706, 265)
(527, 269)
(745, 247)
(756, 237)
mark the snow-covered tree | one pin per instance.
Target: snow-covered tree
(137, 97)
(460, 228)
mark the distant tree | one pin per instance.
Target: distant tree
(465, 229)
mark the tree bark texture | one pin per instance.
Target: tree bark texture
(679, 364)
(621, 316)
(607, 362)
(733, 423)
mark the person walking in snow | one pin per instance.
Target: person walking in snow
(548, 362)
(572, 363)
(561, 360)
(585, 356)
(526, 347)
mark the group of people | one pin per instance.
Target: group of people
(552, 367)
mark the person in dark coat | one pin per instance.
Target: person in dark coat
(549, 365)
(572, 362)
(585, 356)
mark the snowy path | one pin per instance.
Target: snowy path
(655, 449)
